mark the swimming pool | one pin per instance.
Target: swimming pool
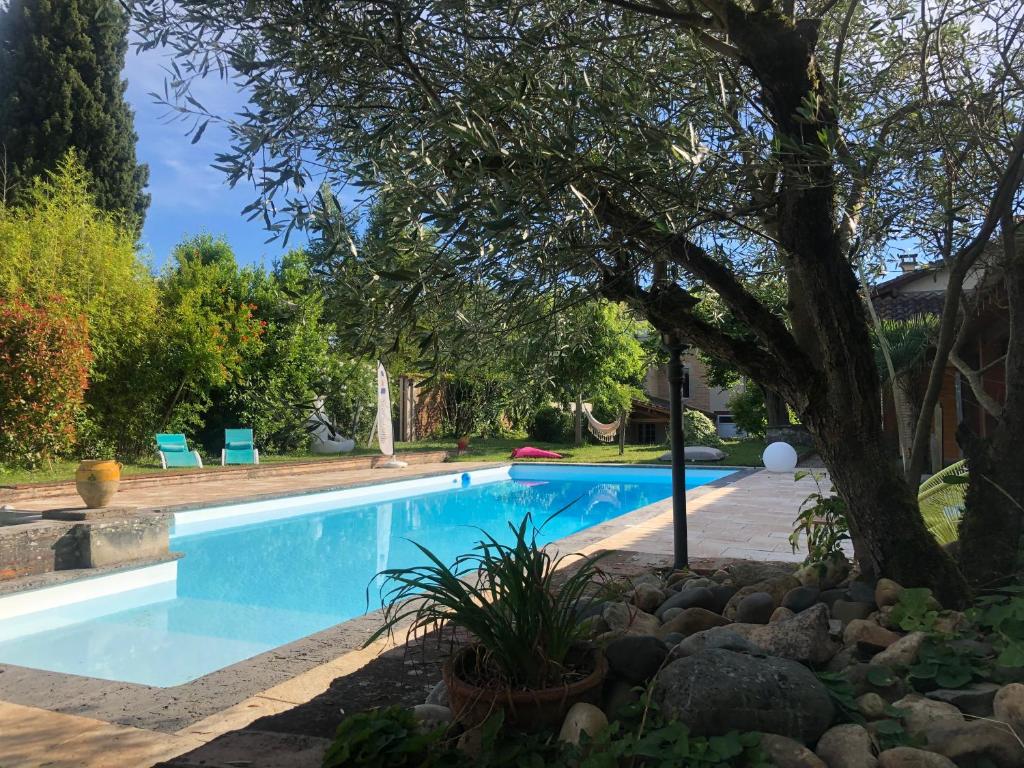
(256, 576)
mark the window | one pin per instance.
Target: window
(645, 432)
(686, 383)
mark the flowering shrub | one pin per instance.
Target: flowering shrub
(44, 364)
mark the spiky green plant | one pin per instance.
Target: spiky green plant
(505, 596)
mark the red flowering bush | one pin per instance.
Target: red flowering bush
(44, 364)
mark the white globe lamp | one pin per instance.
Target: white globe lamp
(779, 457)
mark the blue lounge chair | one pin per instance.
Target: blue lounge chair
(239, 448)
(174, 452)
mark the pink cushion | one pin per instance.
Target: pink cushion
(529, 452)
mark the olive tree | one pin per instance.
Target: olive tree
(646, 150)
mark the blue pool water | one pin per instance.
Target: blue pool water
(256, 577)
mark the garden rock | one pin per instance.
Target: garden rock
(581, 718)
(589, 606)
(861, 592)
(780, 614)
(949, 622)
(857, 674)
(723, 594)
(744, 574)
(972, 742)
(887, 592)
(824, 575)
(432, 716)
(699, 597)
(735, 691)
(787, 753)
(777, 587)
(647, 597)
(802, 638)
(847, 611)
(635, 658)
(673, 639)
(902, 653)
(976, 699)
(755, 608)
(594, 625)
(847, 746)
(719, 637)
(646, 579)
(867, 635)
(801, 598)
(629, 618)
(1008, 706)
(690, 621)
(671, 613)
(920, 714)
(698, 582)
(829, 596)
(872, 706)
(907, 757)
(438, 694)
(677, 577)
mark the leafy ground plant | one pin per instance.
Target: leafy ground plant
(506, 597)
(387, 738)
(823, 520)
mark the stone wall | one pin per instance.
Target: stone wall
(794, 434)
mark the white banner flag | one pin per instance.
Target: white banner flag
(385, 438)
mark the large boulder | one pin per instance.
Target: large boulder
(847, 746)
(802, 638)
(717, 691)
(635, 658)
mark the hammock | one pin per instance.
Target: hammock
(603, 432)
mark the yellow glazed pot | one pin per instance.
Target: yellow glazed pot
(97, 481)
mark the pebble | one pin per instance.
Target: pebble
(789, 753)
(432, 716)
(698, 597)
(977, 699)
(781, 614)
(1008, 706)
(872, 706)
(647, 597)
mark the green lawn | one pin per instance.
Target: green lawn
(742, 453)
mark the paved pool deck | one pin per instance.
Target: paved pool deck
(63, 721)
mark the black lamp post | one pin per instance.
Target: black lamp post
(676, 442)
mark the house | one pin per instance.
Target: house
(920, 290)
(648, 420)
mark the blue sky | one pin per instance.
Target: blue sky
(188, 196)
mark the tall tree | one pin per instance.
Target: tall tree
(649, 150)
(61, 89)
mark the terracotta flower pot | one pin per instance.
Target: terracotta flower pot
(530, 710)
(97, 481)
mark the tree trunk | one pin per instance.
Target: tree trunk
(888, 533)
(775, 406)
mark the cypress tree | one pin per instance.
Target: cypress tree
(61, 90)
